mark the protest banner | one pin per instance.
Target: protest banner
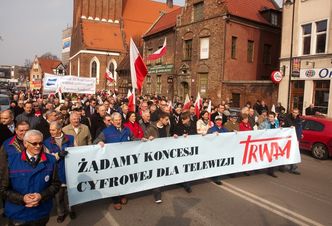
(122, 168)
(68, 84)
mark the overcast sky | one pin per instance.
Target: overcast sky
(34, 27)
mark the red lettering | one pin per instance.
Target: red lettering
(268, 149)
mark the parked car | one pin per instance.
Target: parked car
(317, 136)
(4, 102)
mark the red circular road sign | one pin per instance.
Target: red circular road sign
(276, 76)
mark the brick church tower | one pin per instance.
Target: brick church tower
(101, 33)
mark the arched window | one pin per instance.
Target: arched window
(94, 69)
(112, 66)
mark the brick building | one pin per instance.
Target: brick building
(224, 50)
(101, 33)
(161, 72)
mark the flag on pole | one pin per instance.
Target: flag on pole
(187, 103)
(109, 76)
(159, 53)
(209, 109)
(131, 100)
(198, 105)
(138, 69)
(273, 108)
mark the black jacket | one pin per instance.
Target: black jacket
(5, 133)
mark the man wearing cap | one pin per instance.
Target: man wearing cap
(220, 112)
(232, 125)
(216, 129)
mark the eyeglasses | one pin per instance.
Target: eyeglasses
(35, 143)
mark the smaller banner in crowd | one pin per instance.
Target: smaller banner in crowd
(122, 168)
(68, 84)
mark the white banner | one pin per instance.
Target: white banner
(123, 168)
(69, 84)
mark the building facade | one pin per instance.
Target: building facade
(225, 50)
(161, 73)
(101, 33)
(306, 42)
(40, 66)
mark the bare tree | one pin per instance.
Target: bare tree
(49, 55)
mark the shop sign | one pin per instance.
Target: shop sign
(167, 68)
(316, 73)
(296, 67)
(276, 76)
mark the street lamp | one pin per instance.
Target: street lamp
(289, 3)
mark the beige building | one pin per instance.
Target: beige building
(310, 52)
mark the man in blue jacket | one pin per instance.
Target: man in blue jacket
(28, 182)
(217, 128)
(56, 145)
(113, 134)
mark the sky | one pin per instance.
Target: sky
(34, 27)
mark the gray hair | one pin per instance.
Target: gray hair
(47, 113)
(11, 114)
(115, 114)
(32, 133)
(57, 124)
(145, 112)
(73, 114)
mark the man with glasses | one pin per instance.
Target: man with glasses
(28, 182)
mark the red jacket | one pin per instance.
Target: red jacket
(136, 129)
(245, 126)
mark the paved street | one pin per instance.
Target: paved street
(255, 200)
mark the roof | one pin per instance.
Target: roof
(138, 16)
(47, 65)
(164, 22)
(250, 9)
(102, 35)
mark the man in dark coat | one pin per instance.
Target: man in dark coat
(7, 125)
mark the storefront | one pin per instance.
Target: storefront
(317, 89)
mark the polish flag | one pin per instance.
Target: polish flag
(131, 100)
(187, 103)
(159, 53)
(137, 67)
(109, 76)
(198, 105)
(209, 109)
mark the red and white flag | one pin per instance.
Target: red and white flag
(187, 103)
(170, 106)
(198, 105)
(159, 53)
(109, 76)
(131, 100)
(138, 69)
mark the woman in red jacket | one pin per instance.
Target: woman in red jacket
(133, 125)
(244, 124)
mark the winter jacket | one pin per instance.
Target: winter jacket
(112, 135)
(136, 129)
(54, 149)
(20, 178)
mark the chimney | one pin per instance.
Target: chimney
(169, 3)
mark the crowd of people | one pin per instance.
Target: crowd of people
(37, 129)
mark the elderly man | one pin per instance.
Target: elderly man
(56, 145)
(44, 125)
(80, 131)
(28, 182)
(28, 116)
(7, 125)
(113, 134)
(144, 122)
(15, 144)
